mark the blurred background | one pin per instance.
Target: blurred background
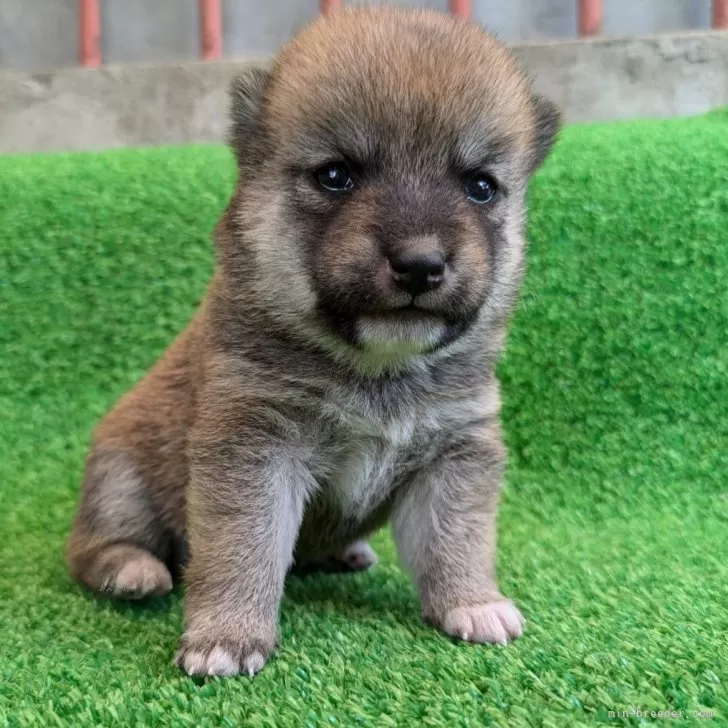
(37, 34)
(98, 74)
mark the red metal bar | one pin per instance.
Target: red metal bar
(590, 17)
(211, 29)
(720, 14)
(461, 8)
(90, 21)
(328, 6)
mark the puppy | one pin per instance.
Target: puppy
(341, 367)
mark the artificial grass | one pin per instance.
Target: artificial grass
(614, 524)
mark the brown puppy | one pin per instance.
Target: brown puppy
(341, 367)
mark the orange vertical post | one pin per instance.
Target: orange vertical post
(590, 17)
(90, 30)
(460, 7)
(328, 6)
(720, 14)
(211, 29)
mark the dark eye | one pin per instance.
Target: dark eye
(481, 189)
(335, 177)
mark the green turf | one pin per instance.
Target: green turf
(614, 525)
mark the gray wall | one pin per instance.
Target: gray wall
(161, 103)
(38, 34)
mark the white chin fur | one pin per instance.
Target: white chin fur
(393, 338)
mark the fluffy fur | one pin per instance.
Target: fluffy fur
(311, 398)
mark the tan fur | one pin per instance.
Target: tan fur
(304, 405)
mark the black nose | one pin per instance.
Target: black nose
(418, 273)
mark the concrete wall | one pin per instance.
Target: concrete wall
(40, 34)
(162, 103)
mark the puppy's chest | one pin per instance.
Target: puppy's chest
(365, 459)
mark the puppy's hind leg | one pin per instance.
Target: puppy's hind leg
(117, 545)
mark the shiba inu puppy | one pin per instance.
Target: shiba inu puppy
(340, 371)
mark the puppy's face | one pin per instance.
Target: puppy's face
(384, 163)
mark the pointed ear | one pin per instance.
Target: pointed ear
(547, 123)
(247, 97)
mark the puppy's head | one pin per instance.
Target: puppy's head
(384, 161)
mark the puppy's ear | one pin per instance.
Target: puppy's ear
(247, 97)
(547, 122)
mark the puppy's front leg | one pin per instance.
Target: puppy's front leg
(245, 504)
(445, 527)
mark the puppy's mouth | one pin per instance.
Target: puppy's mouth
(407, 330)
(409, 312)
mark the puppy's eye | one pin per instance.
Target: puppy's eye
(335, 177)
(481, 189)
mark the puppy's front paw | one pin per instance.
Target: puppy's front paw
(495, 622)
(203, 656)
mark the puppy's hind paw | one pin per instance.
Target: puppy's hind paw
(359, 556)
(128, 572)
